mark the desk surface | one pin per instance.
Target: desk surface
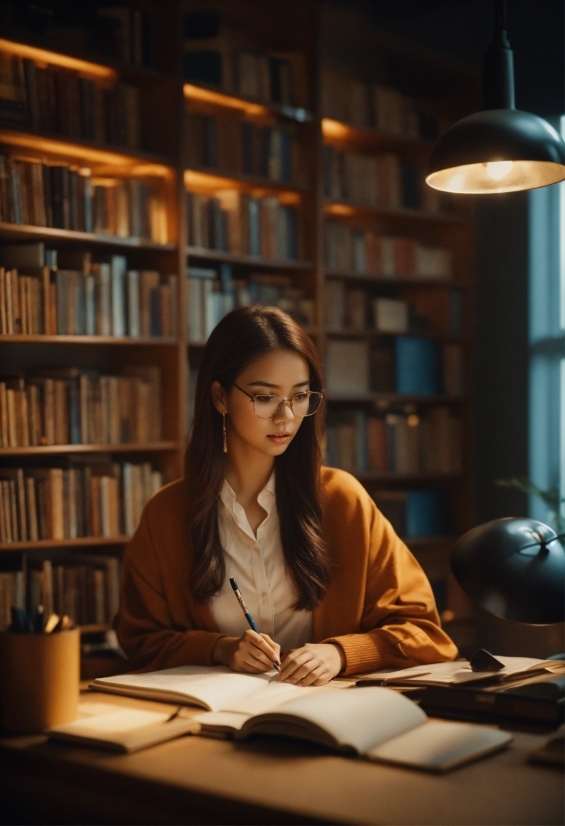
(201, 780)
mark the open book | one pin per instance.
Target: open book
(122, 729)
(459, 672)
(213, 688)
(376, 723)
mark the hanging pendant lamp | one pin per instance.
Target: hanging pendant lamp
(499, 149)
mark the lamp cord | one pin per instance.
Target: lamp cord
(500, 15)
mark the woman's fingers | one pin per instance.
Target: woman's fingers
(293, 663)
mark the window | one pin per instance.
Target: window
(547, 342)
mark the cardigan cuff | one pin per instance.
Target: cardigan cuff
(361, 653)
(198, 646)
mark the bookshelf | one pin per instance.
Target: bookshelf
(238, 207)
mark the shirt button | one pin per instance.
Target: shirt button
(263, 594)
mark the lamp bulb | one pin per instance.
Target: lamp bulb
(498, 169)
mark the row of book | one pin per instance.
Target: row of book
(213, 293)
(227, 143)
(108, 300)
(414, 513)
(354, 308)
(219, 55)
(66, 197)
(97, 498)
(379, 180)
(66, 406)
(366, 252)
(85, 587)
(377, 106)
(404, 443)
(402, 364)
(242, 224)
(59, 101)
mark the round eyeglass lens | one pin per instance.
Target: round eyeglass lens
(303, 404)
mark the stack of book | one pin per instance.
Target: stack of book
(404, 443)
(414, 513)
(66, 406)
(67, 197)
(213, 293)
(96, 498)
(365, 252)
(404, 364)
(221, 56)
(243, 224)
(375, 105)
(55, 100)
(107, 300)
(378, 180)
(229, 144)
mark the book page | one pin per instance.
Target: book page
(354, 718)
(212, 687)
(440, 746)
(456, 672)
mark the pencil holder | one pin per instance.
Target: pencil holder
(39, 680)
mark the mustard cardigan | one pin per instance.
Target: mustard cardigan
(379, 606)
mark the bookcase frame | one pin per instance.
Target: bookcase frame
(166, 95)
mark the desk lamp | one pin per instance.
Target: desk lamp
(500, 149)
(514, 568)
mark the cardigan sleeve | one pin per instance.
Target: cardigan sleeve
(144, 624)
(399, 624)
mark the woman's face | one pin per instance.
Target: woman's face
(279, 372)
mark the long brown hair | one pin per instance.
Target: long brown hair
(241, 337)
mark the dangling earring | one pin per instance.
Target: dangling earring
(224, 432)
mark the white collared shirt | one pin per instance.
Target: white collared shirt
(258, 565)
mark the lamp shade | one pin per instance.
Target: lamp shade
(497, 150)
(514, 568)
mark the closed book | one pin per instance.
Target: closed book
(418, 365)
(425, 513)
(347, 367)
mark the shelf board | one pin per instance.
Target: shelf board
(95, 628)
(393, 476)
(247, 260)
(397, 280)
(48, 544)
(200, 179)
(49, 450)
(392, 398)
(251, 108)
(371, 138)
(29, 231)
(40, 338)
(345, 209)
(345, 332)
(112, 159)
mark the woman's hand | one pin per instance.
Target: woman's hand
(251, 652)
(313, 664)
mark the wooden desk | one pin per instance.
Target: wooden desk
(200, 780)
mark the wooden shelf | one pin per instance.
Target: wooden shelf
(409, 478)
(247, 260)
(343, 209)
(211, 180)
(122, 341)
(252, 108)
(397, 280)
(53, 450)
(56, 544)
(119, 160)
(21, 232)
(346, 332)
(392, 398)
(368, 137)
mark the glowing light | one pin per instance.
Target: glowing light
(498, 169)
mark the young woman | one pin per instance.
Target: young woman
(331, 587)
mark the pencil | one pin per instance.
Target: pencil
(247, 613)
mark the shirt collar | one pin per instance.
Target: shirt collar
(266, 497)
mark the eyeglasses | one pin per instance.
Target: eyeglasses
(305, 403)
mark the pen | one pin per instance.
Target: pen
(248, 616)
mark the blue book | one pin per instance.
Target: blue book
(418, 365)
(254, 242)
(425, 513)
(74, 411)
(292, 232)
